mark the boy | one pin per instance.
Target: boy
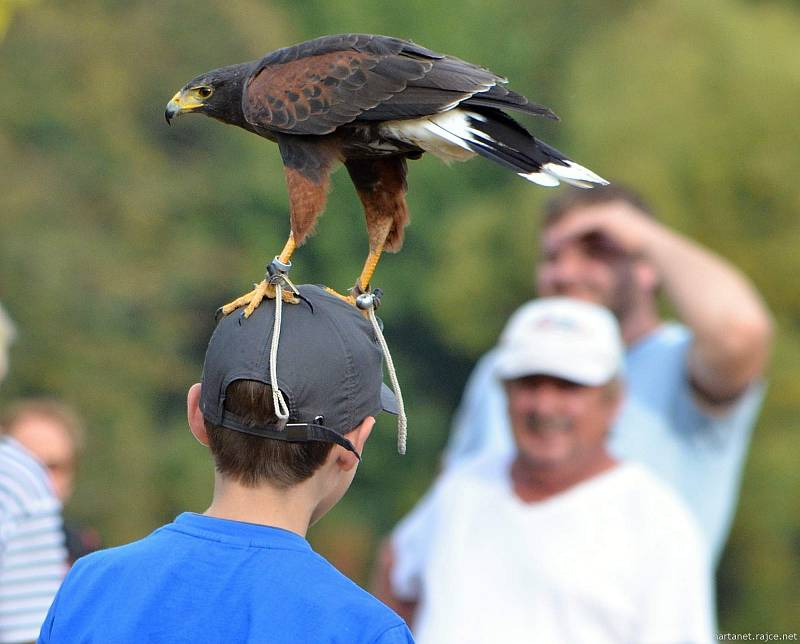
(243, 571)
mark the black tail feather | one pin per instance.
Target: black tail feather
(503, 140)
(498, 97)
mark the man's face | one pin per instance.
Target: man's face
(51, 444)
(557, 423)
(590, 268)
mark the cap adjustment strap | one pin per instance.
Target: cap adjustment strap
(289, 432)
(368, 302)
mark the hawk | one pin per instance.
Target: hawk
(370, 103)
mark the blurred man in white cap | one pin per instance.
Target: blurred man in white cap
(559, 542)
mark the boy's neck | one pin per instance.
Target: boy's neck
(290, 509)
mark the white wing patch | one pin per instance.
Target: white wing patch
(443, 135)
(447, 135)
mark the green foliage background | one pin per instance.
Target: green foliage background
(120, 236)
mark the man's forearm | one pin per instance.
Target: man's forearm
(731, 325)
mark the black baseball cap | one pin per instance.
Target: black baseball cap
(329, 368)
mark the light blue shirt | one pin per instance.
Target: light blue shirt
(701, 456)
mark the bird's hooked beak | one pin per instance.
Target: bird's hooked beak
(180, 104)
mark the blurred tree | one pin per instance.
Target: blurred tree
(7, 8)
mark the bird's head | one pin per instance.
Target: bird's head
(217, 94)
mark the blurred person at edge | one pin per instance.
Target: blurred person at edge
(54, 433)
(558, 541)
(7, 335)
(32, 553)
(694, 387)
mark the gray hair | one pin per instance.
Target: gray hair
(7, 334)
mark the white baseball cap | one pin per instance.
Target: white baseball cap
(561, 337)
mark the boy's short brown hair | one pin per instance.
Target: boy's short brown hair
(255, 460)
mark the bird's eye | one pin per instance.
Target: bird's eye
(204, 92)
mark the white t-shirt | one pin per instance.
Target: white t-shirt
(616, 558)
(699, 455)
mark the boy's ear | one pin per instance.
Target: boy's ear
(197, 424)
(358, 437)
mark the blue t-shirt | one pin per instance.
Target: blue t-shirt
(202, 579)
(699, 455)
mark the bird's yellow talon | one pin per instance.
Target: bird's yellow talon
(350, 298)
(252, 299)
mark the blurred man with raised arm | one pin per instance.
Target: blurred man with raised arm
(693, 387)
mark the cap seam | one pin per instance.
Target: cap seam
(350, 371)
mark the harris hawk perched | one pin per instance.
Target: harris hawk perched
(371, 103)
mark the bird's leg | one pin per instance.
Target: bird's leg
(264, 289)
(371, 263)
(378, 233)
(380, 184)
(377, 240)
(288, 250)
